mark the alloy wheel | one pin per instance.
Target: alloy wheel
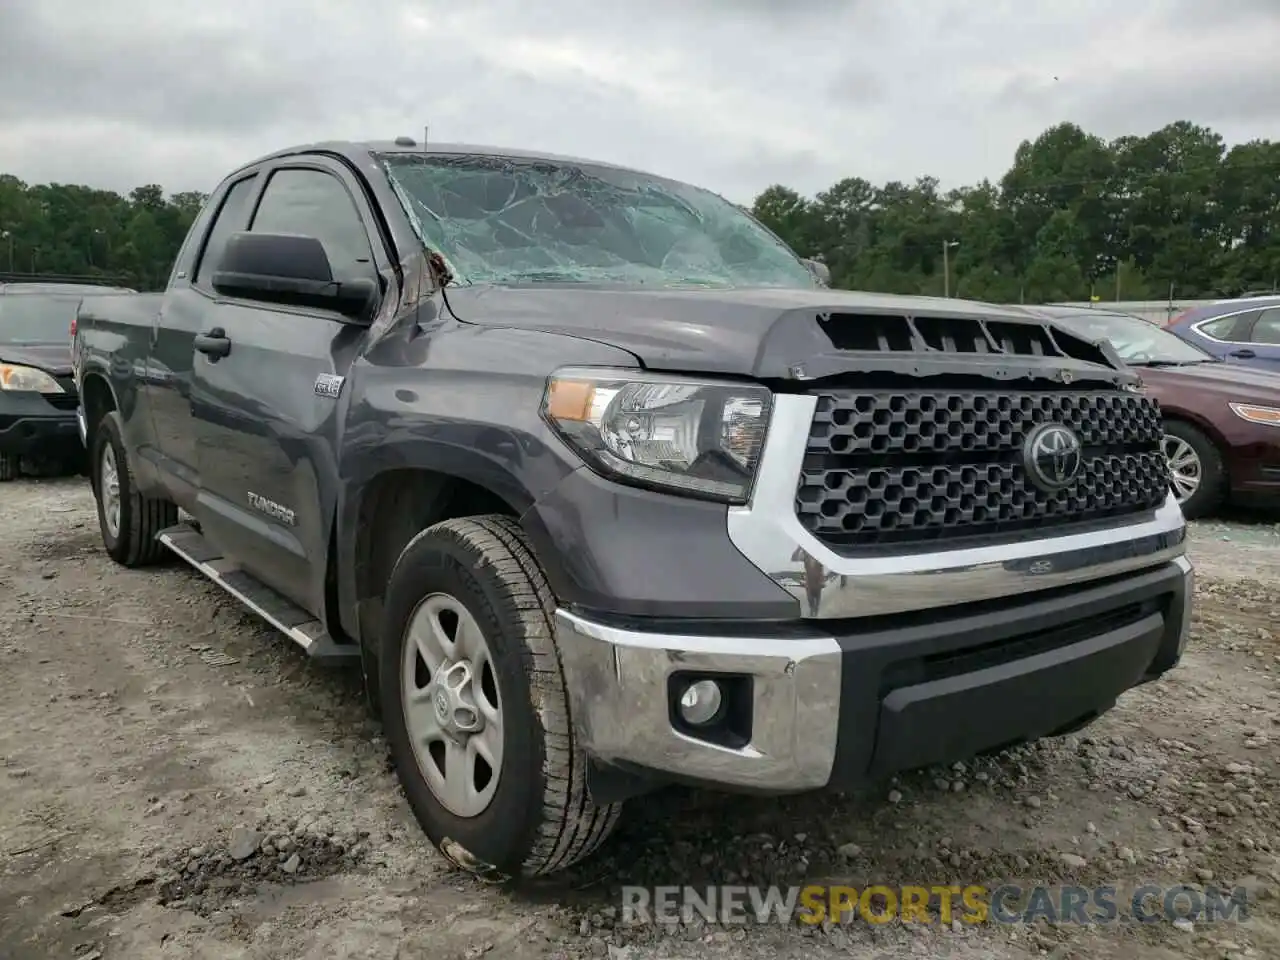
(109, 490)
(451, 706)
(1185, 469)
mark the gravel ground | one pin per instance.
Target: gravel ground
(176, 780)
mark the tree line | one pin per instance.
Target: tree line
(73, 230)
(1173, 213)
(1170, 214)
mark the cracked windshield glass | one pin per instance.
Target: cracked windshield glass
(506, 221)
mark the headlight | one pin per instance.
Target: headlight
(1256, 414)
(14, 377)
(696, 437)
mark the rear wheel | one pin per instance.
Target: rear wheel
(128, 520)
(475, 709)
(1198, 476)
(10, 466)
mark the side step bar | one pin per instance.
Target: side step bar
(287, 617)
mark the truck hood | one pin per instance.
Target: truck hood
(757, 332)
(51, 358)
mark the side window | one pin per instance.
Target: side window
(1267, 328)
(229, 219)
(316, 204)
(1226, 328)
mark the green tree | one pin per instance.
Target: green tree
(73, 230)
(1073, 215)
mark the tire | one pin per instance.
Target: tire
(538, 818)
(1183, 443)
(10, 467)
(132, 542)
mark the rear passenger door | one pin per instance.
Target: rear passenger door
(1249, 337)
(189, 301)
(266, 433)
(1262, 340)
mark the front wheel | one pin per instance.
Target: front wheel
(475, 708)
(128, 520)
(1197, 474)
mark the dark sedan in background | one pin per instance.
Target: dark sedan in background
(37, 395)
(1222, 421)
(1244, 331)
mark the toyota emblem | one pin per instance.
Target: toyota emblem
(1053, 456)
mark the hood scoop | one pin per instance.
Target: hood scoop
(936, 344)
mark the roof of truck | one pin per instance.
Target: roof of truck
(358, 152)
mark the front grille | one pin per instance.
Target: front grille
(904, 467)
(955, 662)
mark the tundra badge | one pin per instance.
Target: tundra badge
(329, 385)
(271, 509)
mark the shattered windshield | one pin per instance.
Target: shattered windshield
(505, 221)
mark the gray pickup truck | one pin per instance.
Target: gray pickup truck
(605, 489)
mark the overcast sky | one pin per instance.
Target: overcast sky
(730, 94)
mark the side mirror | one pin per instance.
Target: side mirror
(819, 270)
(290, 269)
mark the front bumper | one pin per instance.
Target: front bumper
(844, 702)
(31, 426)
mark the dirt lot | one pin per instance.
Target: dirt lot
(151, 733)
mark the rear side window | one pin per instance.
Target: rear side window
(230, 218)
(1224, 328)
(1267, 328)
(316, 204)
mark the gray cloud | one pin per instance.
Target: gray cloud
(732, 94)
(1229, 98)
(855, 84)
(1197, 14)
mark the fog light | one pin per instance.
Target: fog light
(700, 702)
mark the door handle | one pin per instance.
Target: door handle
(1243, 354)
(214, 344)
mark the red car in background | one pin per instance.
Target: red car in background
(1222, 421)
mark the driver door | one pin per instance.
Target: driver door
(266, 431)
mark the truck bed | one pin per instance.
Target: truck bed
(119, 309)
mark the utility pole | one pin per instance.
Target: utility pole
(947, 246)
(1118, 265)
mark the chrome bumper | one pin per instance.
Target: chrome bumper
(618, 684)
(80, 422)
(620, 694)
(767, 532)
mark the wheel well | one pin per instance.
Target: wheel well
(401, 503)
(98, 401)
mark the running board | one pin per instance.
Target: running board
(286, 616)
